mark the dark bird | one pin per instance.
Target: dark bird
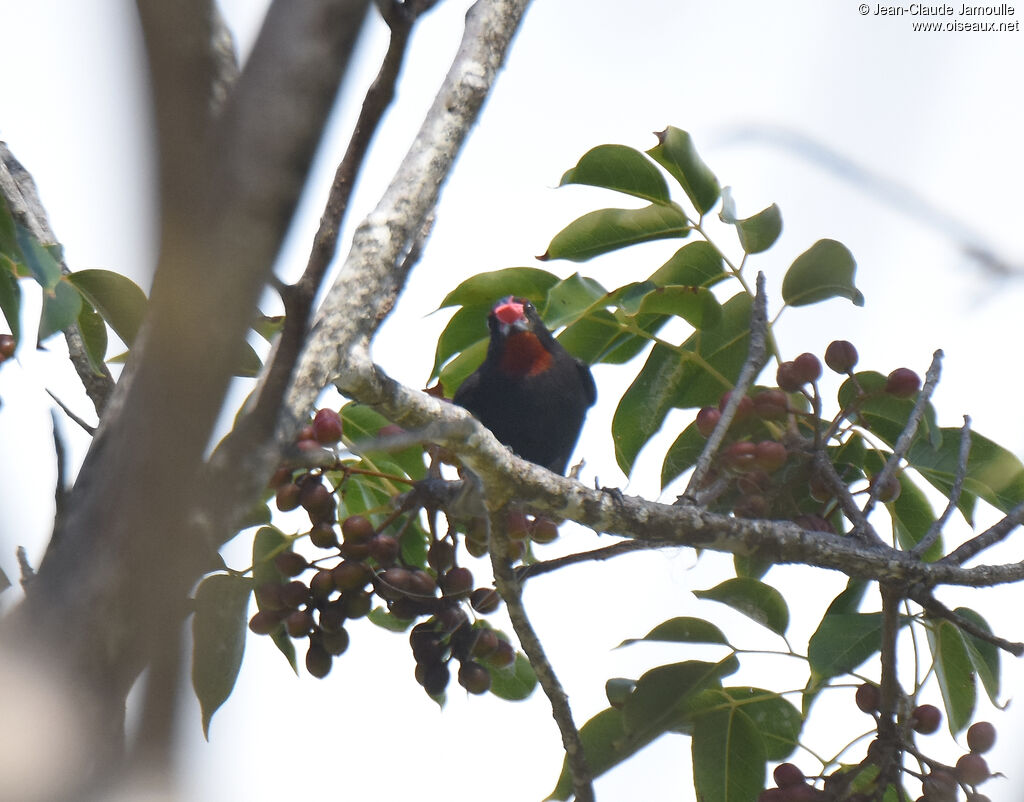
(529, 391)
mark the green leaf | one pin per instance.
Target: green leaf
(698, 264)
(682, 454)
(682, 630)
(728, 757)
(268, 326)
(94, 336)
(600, 337)
(882, 413)
(777, 721)
(570, 299)
(912, 517)
(993, 473)
(362, 423)
(9, 247)
(825, 270)
(608, 230)
(458, 370)
(984, 656)
(955, 673)
(515, 683)
(118, 299)
(61, 305)
(386, 620)
(218, 638)
(250, 365)
(622, 169)
(696, 305)
(756, 600)
(843, 641)
(759, 232)
(41, 261)
(708, 365)
(676, 153)
(10, 296)
(484, 289)
(661, 694)
(268, 543)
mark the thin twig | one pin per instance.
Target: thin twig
(907, 435)
(994, 534)
(27, 572)
(937, 609)
(756, 358)
(511, 591)
(862, 528)
(954, 492)
(90, 430)
(604, 553)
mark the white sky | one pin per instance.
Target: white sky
(938, 113)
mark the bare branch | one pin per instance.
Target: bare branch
(511, 591)
(937, 609)
(994, 534)
(907, 435)
(862, 528)
(606, 553)
(756, 357)
(939, 524)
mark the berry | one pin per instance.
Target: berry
(281, 476)
(422, 585)
(841, 356)
(474, 677)
(294, 594)
(268, 596)
(788, 377)
(808, 368)
(384, 549)
(327, 427)
(317, 499)
(288, 496)
(981, 736)
(868, 697)
(351, 575)
(323, 536)
(299, 624)
(745, 407)
(543, 530)
(902, 383)
(503, 656)
(771, 404)
(770, 455)
(971, 769)
(356, 603)
(441, 555)
(318, 661)
(890, 491)
(435, 678)
(485, 600)
(819, 489)
(926, 719)
(332, 616)
(335, 642)
(356, 528)
(707, 419)
(265, 622)
(515, 523)
(740, 456)
(322, 584)
(486, 642)
(393, 583)
(289, 563)
(7, 346)
(787, 774)
(456, 583)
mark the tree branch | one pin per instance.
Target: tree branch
(954, 492)
(511, 591)
(994, 534)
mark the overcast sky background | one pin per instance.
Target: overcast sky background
(937, 114)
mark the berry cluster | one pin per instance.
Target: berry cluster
(765, 467)
(940, 783)
(315, 599)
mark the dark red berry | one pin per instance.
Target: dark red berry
(265, 622)
(299, 624)
(808, 368)
(335, 642)
(393, 583)
(294, 594)
(841, 356)
(890, 491)
(456, 583)
(926, 719)
(356, 528)
(868, 697)
(543, 530)
(971, 769)
(384, 549)
(288, 496)
(351, 575)
(707, 419)
(422, 585)
(503, 656)
(268, 596)
(740, 456)
(321, 586)
(281, 476)
(902, 383)
(515, 521)
(356, 603)
(327, 427)
(440, 555)
(290, 564)
(769, 455)
(323, 536)
(787, 774)
(318, 661)
(318, 500)
(981, 736)
(788, 377)
(771, 404)
(486, 643)
(332, 616)
(744, 408)
(474, 677)
(485, 600)
(435, 678)
(7, 346)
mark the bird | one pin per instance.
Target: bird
(529, 391)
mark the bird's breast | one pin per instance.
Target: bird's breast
(524, 355)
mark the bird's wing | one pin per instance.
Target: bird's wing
(588, 382)
(467, 390)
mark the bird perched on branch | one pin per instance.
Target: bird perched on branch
(529, 391)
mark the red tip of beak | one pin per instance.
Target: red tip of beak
(509, 312)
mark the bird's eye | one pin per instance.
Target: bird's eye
(528, 306)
